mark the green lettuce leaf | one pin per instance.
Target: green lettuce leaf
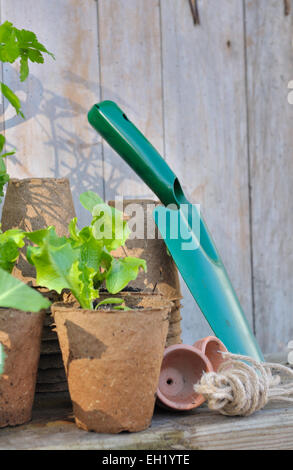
(10, 243)
(123, 270)
(16, 294)
(59, 266)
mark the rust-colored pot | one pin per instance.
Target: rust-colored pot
(182, 367)
(112, 361)
(20, 334)
(212, 347)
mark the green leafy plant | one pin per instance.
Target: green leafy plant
(14, 293)
(23, 45)
(83, 261)
(10, 243)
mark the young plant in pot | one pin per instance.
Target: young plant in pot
(112, 356)
(20, 335)
(20, 329)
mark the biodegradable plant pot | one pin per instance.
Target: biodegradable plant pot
(212, 347)
(35, 203)
(20, 334)
(182, 367)
(148, 299)
(112, 360)
(32, 204)
(162, 274)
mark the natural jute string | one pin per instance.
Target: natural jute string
(239, 388)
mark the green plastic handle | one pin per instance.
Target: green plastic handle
(114, 126)
(202, 269)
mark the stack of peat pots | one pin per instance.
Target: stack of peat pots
(162, 275)
(33, 204)
(111, 359)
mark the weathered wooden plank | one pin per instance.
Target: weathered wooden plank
(270, 68)
(130, 56)
(201, 429)
(205, 131)
(55, 139)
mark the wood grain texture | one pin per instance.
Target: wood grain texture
(269, 69)
(205, 131)
(130, 61)
(55, 139)
(187, 88)
(53, 428)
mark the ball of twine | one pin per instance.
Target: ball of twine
(242, 385)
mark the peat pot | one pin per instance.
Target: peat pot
(112, 360)
(162, 274)
(33, 204)
(20, 334)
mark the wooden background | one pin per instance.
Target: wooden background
(213, 99)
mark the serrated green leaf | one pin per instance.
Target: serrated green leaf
(9, 48)
(123, 270)
(5, 31)
(35, 56)
(16, 294)
(59, 266)
(25, 37)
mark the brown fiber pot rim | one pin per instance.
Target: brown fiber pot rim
(35, 179)
(61, 306)
(192, 400)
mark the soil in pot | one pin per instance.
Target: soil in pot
(20, 334)
(112, 360)
(162, 274)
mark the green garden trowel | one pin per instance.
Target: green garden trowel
(183, 230)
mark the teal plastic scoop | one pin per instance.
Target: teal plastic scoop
(183, 229)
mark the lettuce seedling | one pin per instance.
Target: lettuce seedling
(83, 261)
